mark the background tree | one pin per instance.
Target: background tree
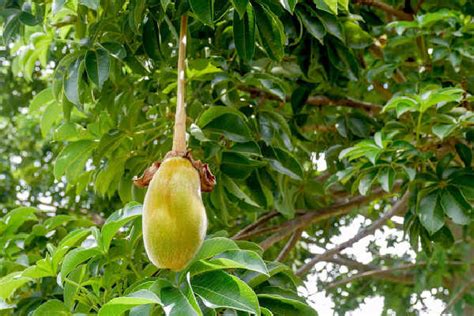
(312, 115)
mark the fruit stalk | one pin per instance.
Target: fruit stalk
(179, 136)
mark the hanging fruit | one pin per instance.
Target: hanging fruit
(174, 217)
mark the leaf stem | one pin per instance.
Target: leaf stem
(179, 136)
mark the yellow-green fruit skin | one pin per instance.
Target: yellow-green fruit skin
(174, 217)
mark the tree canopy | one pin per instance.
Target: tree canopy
(313, 116)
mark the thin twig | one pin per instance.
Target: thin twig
(363, 233)
(179, 136)
(385, 271)
(290, 245)
(262, 220)
(387, 8)
(316, 100)
(351, 103)
(311, 217)
(458, 295)
(258, 232)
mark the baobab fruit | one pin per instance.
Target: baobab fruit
(174, 217)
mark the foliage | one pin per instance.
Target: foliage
(381, 92)
(88, 269)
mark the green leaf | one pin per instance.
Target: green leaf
(91, 4)
(10, 283)
(248, 259)
(97, 66)
(402, 104)
(43, 268)
(204, 10)
(465, 184)
(244, 34)
(238, 165)
(176, 303)
(11, 26)
(234, 190)
(17, 217)
(332, 5)
(428, 19)
(241, 6)
(443, 130)
(219, 289)
(150, 39)
(72, 82)
(312, 24)
(331, 24)
(119, 305)
(109, 142)
(227, 120)
(201, 69)
(72, 288)
(71, 132)
(386, 178)
(274, 129)
(189, 293)
(271, 32)
(115, 49)
(289, 5)
(51, 116)
(455, 206)
(284, 162)
(431, 213)
(72, 158)
(231, 259)
(254, 279)
(76, 257)
(356, 37)
(136, 13)
(359, 127)
(444, 237)
(214, 246)
(118, 219)
(344, 4)
(42, 98)
(280, 305)
(366, 181)
(28, 19)
(67, 244)
(52, 307)
(444, 95)
(465, 153)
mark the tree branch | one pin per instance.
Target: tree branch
(323, 100)
(384, 273)
(262, 220)
(258, 232)
(363, 233)
(290, 245)
(316, 100)
(458, 295)
(311, 217)
(387, 8)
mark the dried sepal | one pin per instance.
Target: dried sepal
(208, 180)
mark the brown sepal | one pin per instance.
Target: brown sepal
(148, 174)
(208, 180)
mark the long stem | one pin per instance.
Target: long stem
(179, 137)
